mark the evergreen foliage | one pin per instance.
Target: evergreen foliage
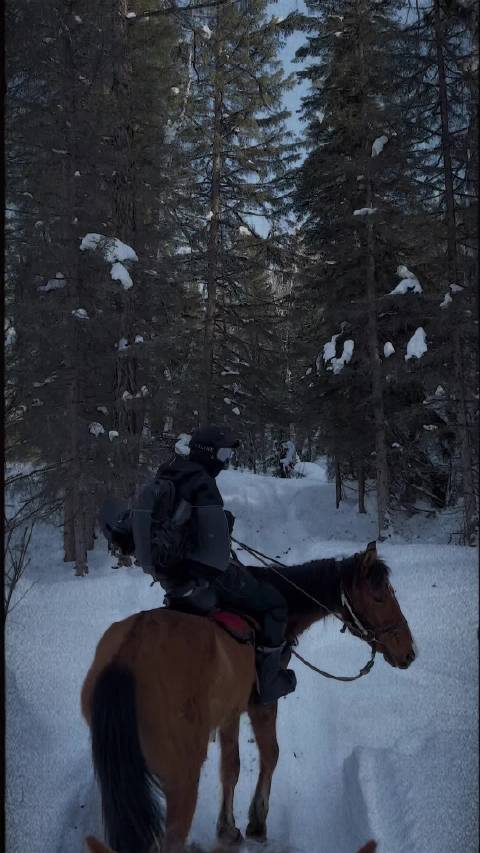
(279, 297)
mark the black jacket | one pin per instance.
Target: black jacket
(209, 551)
(191, 481)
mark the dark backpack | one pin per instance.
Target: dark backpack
(161, 527)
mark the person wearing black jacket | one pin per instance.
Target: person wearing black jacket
(223, 582)
(205, 576)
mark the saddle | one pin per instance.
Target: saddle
(198, 598)
(241, 627)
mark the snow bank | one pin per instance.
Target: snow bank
(392, 756)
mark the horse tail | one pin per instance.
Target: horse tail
(132, 815)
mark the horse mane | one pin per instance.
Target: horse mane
(322, 580)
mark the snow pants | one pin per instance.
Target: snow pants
(237, 588)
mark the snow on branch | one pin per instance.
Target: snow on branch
(10, 333)
(455, 288)
(417, 345)
(378, 145)
(408, 282)
(337, 364)
(329, 348)
(96, 429)
(56, 283)
(329, 354)
(115, 252)
(112, 248)
(121, 274)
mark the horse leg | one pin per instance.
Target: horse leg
(181, 801)
(263, 719)
(229, 772)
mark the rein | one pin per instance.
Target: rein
(364, 632)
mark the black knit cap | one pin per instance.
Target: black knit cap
(212, 438)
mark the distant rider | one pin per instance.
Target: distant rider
(208, 559)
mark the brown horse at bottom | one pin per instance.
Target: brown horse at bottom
(93, 845)
(162, 682)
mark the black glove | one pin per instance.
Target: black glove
(230, 520)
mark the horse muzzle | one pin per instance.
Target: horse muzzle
(399, 662)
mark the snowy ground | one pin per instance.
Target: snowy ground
(393, 756)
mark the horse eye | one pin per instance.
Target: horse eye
(378, 600)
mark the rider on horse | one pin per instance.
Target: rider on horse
(206, 576)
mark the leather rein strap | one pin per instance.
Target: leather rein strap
(364, 670)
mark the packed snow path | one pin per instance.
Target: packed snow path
(392, 756)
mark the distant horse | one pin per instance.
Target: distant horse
(163, 681)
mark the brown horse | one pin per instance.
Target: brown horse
(93, 845)
(162, 682)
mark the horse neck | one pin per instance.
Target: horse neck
(320, 579)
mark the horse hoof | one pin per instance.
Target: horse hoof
(229, 834)
(256, 832)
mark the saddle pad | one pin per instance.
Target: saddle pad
(234, 625)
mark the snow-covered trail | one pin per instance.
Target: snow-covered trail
(392, 756)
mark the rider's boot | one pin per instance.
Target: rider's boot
(273, 681)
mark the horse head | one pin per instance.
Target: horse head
(371, 611)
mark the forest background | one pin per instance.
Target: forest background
(180, 249)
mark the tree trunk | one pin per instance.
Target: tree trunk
(74, 534)
(447, 160)
(81, 567)
(469, 496)
(129, 409)
(470, 508)
(381, 461)
(361, 487)
(213, 234)
(338, 483)
(68, 528)
(89, 522)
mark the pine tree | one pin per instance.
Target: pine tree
(95, 358)
(445, 83)
(360, 217)
(236, 137)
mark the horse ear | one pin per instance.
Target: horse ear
(369, 557)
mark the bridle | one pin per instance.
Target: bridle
(366, 632)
